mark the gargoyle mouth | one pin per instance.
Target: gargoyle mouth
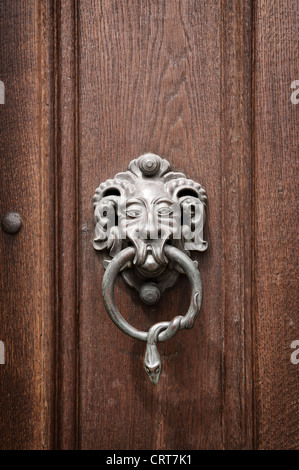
(151, 266)
(149, 257)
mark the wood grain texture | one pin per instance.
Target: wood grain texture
(236, 228)
(90, 86)
(66, 186)
(27, 268)
(150, 79)
(276, 248)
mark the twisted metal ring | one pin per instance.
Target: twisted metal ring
(161, 331)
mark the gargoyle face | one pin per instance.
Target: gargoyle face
(148, 219)
(147, 206)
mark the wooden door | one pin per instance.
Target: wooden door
(90, 85)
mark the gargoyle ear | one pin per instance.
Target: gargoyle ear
(192, 202)
(107, 233)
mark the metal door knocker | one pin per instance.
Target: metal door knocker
(150, 218)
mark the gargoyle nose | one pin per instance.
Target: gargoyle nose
(151, 230)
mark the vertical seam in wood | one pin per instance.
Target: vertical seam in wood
(40, 57)
(77, 437)
(38, 7)
(222, 371)
(253, 214)
(56, 241)
(47, 44)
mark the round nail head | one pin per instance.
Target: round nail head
(150, 293)
(11, 222)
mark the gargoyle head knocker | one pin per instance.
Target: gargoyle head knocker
(147, 207)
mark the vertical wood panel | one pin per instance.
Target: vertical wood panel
(26, 279)
(66, 222)
(276, 248)
(151, 78)
(236, 206)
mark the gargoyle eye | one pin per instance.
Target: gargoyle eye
(133, 214)
(164, 211)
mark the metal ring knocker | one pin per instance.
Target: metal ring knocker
(161, 214)
(161, 331)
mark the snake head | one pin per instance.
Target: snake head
(153, 373)
(152, 363)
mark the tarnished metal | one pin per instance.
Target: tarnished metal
(11, 222)
(150, 218)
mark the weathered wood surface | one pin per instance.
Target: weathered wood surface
(276, 212)
(66, 205)
(172, 78)
(89, 86)
(27, 258)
